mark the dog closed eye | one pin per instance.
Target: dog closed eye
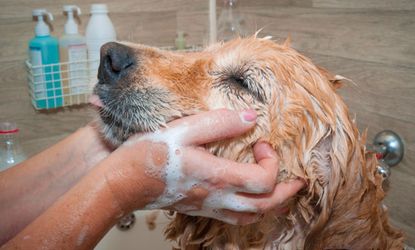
(240, 82)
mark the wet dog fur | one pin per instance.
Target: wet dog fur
(299, 114)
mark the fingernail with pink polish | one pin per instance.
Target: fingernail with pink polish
(248, 116)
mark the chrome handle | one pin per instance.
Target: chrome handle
(389, 149)
(384, 169)
(390, 145)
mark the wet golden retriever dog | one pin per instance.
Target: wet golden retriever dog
(299, 113)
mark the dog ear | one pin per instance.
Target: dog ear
(336, 82)
(287, 42)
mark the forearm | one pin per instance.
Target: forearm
(78, 220)
(28, 189)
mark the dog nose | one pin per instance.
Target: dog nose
(116, 60)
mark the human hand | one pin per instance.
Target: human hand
(168, 169)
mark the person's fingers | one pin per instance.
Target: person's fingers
(241, 218)
(281, 194)
(214, 125)
(220, 173)
(263, 150)
(284, 191)
(281, 211)
(236, 209)
(267, 158)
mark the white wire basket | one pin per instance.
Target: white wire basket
(64, 84)
(58, 85)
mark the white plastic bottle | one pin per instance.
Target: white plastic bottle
(98, 32)
(73, 54)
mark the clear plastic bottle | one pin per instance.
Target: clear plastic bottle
(98, 32)
(230, 23)
(73, 51)
(10, 150)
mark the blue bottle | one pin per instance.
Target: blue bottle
(44, 58)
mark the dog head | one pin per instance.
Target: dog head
(143, 88)
(299, 113)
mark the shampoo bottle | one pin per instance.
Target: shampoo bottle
(73, 54)
(98, 32)
(44, 58)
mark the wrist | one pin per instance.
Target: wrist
(91, 147)
(88, 209)
(126, 176)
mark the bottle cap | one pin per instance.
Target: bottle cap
(99, 8)
(71, 27)
(8, 128)
(43, 22)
